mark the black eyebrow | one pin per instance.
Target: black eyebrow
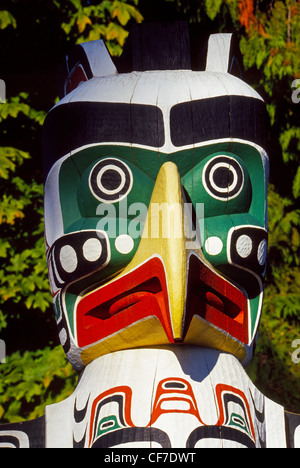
(70, 126)
(218, 117)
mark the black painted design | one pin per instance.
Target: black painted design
(218, 117)
(131, 435)
(62, 327)
(79, 415)
(292, 422)
(70, 126)
(110, 180)
(251, 258)
(259, 421)
(67, 256)
(223, 177)
(27, 432)
(220, 433)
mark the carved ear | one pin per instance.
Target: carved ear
(223, 55)
(83, 63)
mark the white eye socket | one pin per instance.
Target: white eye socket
(223, 178)
(110, 180)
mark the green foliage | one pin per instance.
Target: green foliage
(23, 276)
(9, 159)
(17, 105)
(272, 368)
(7, 19)
(212, 8)
(30, 381)
(105, 20)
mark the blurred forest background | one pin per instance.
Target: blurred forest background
(34, 37)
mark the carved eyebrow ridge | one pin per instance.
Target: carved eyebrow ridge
(72, 125)
(218, 117)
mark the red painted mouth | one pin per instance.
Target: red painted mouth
(138, 295)
(216, 300)
(143, 294)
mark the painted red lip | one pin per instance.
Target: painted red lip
(216, 300)
(143, 293)
(140, 294)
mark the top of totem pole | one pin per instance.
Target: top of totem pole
(155, 197)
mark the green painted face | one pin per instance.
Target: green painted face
(104, 194)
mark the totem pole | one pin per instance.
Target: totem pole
(156, 176)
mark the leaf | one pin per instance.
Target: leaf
(296, 184)
(28, 378)
(9, 158)
(121, 11)
(4, 247)
(97, 31)
(47, 381)
(41, 301)
(7, 19)
(124, 12)
(213, 8)
(67, 27)
(82, 21)
(246, 13)
(114, 31)
(18, 263)
(14, 106)
(10, 210)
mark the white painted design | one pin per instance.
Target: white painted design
(213, 245)
(124, 244)
(68, 258)
(92, 250)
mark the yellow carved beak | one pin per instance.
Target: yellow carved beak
(164, 236)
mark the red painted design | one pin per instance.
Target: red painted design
(216, 300)
(140, 294)
(143, 293)
(123, 390)
(76, 77)
(174, 395)
(220, 390)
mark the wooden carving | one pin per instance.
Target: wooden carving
(156, 177)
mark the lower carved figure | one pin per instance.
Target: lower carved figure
(204, 392)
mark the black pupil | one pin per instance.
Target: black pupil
(223, 177)
(111, 179)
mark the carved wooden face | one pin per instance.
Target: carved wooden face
(155, 213)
